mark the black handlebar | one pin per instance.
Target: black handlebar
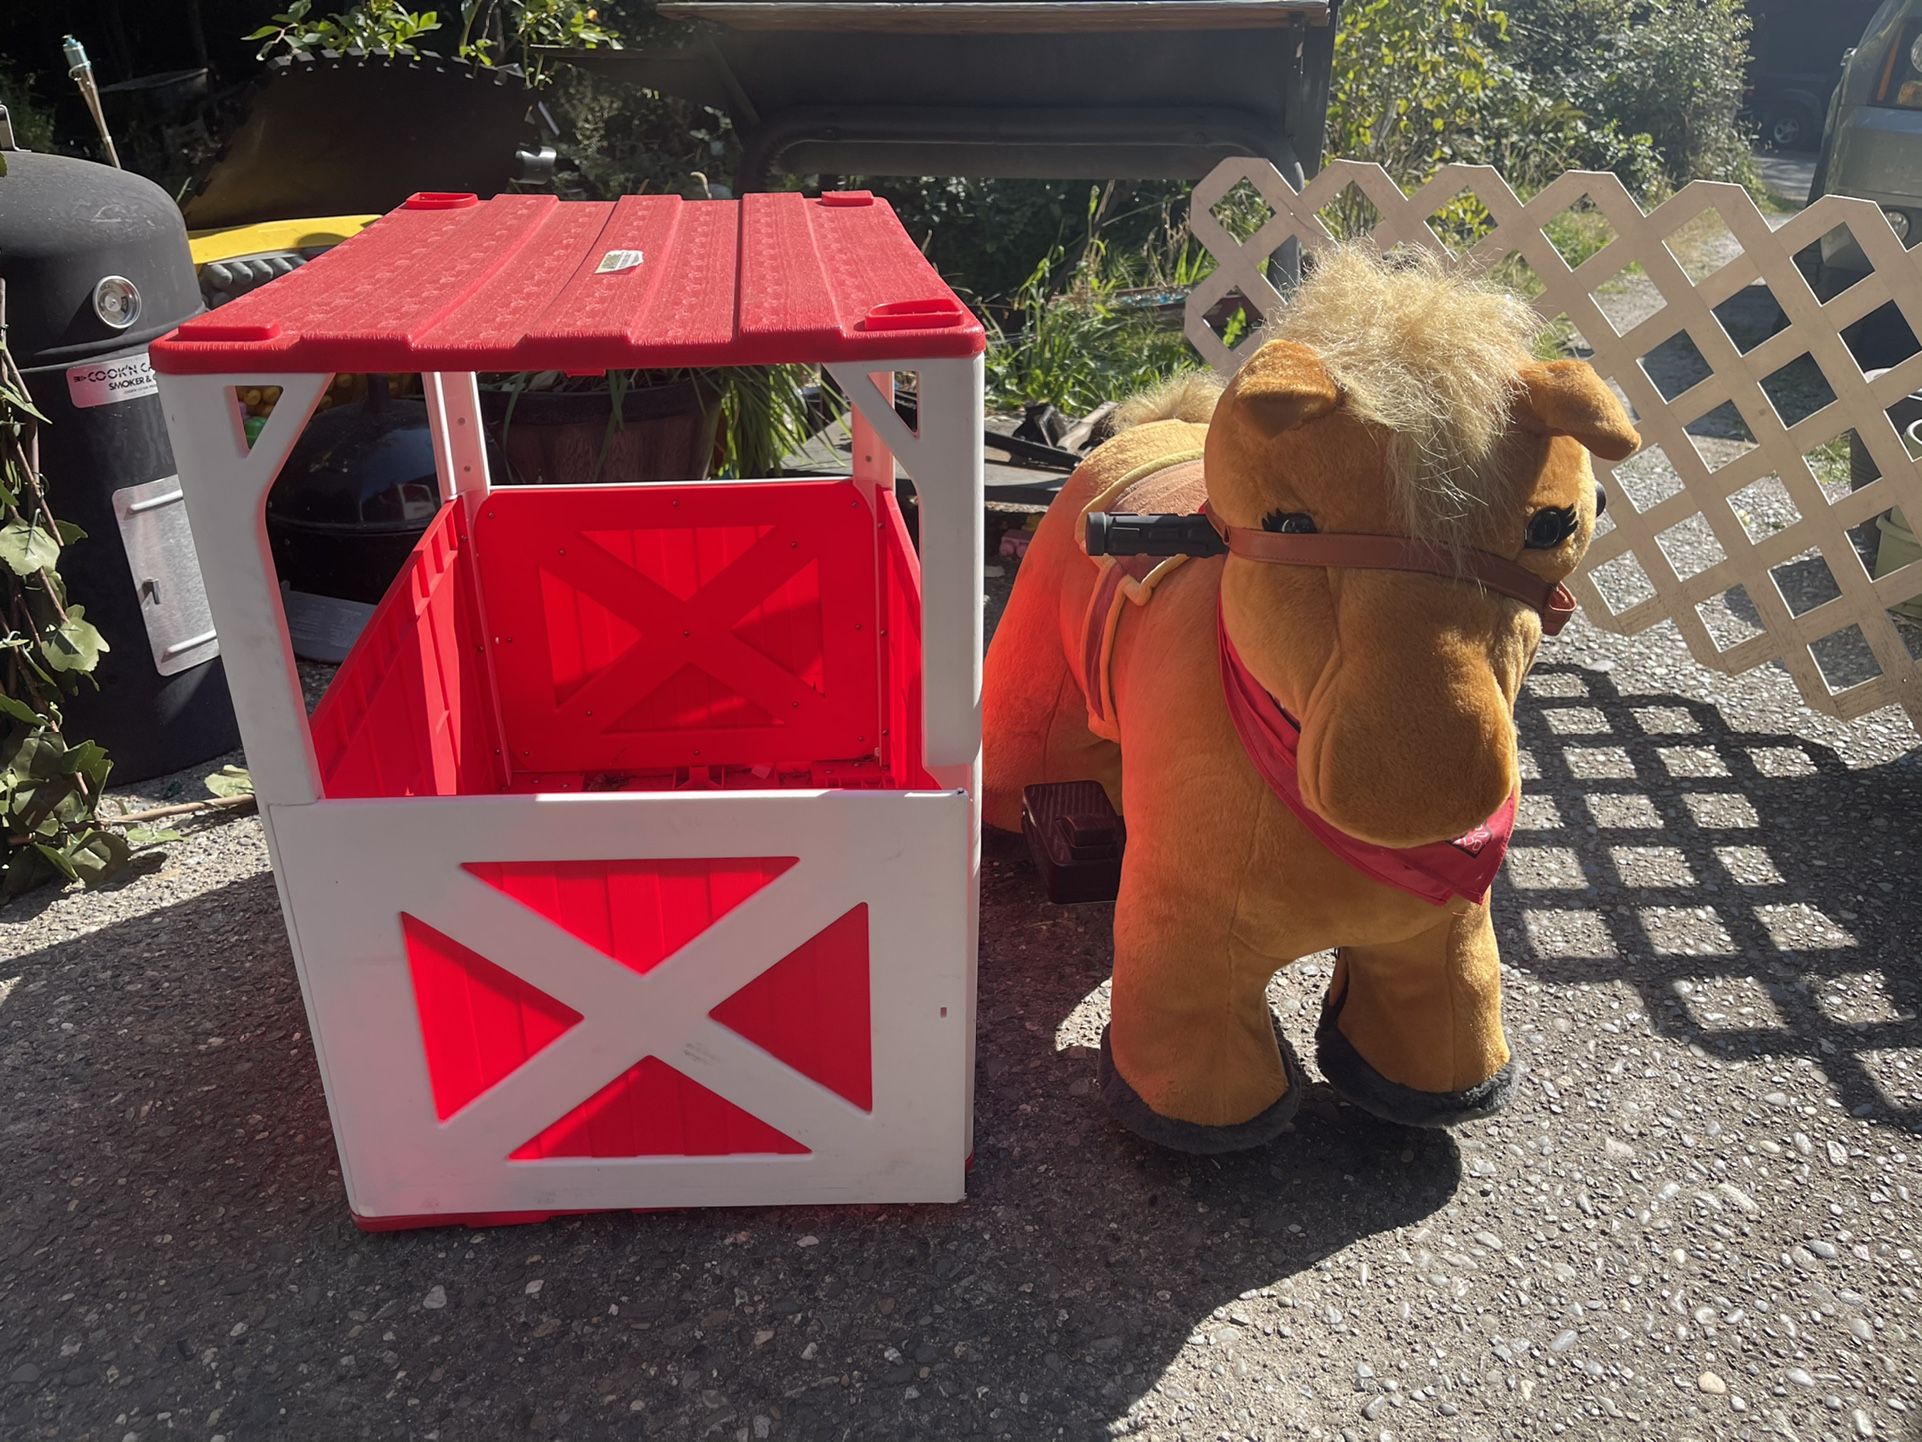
(1122, 534)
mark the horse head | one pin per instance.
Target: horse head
(1396, 400)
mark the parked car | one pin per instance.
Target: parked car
(1796, 49)
(1872, 148)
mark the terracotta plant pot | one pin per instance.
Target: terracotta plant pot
(667, 433)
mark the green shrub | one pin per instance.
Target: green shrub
(1678, 73)
(984, 234)
(1649, 89)
(1416, 87)
(1410, 82)
(1076, 347)
(1672, 71)
(1532, 131)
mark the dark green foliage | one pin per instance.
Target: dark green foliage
(1646, 88)
(623, 140)
(29, 107)
(50, 788)
(984, 235)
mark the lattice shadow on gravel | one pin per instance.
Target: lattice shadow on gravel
(1758, 894)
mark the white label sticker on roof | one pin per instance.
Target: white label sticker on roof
(619, 260)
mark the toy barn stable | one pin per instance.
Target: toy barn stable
(630, 860)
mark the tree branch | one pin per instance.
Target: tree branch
(185, 808)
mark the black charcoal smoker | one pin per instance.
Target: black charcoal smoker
(96, 267)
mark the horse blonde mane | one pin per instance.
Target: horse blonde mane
(1427, 355)
(1188, 396)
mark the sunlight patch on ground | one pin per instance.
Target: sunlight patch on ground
(1801, 927)
(1082, 1026)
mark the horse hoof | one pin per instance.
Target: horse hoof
(1359, 1083)
(1126, 1106)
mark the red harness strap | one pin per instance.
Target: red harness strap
(1464, 867)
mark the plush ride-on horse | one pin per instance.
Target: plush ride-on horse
(1291, 662)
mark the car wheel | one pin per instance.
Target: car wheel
(1788, 125)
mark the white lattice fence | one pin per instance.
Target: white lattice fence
(1734, 572)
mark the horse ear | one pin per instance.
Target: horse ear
(1284, 385)
(1567, 398)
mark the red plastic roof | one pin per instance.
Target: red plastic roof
(529, 282)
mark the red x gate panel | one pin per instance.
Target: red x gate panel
(649, 627)
(478, 1021)
(637, 912)
(652, 1110)
(811, 1009)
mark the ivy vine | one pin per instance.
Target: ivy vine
(50, 787)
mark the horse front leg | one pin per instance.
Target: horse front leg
(1412, 1030)
(1193, 1059)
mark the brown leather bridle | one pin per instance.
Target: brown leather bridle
(1121, 534)
(1342, 551)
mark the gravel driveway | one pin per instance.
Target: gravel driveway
(1698, 1220)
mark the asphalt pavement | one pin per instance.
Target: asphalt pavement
(1699, 1219)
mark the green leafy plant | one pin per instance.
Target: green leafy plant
(495, 29)
(1409, 81)
(378, 27)
(1680, 73)
(764, 414)
(492, 32)
(231, 783)
(1649, 89)
(765, 418)
(1531, 130)
(1073, 346)
(626, 140)
(50, 788)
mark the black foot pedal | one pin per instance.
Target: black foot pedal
(1076, 837)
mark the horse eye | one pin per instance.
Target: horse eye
(1550, 526)
(1293, 523)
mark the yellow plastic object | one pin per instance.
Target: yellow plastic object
(272, 237)
(276, 237)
